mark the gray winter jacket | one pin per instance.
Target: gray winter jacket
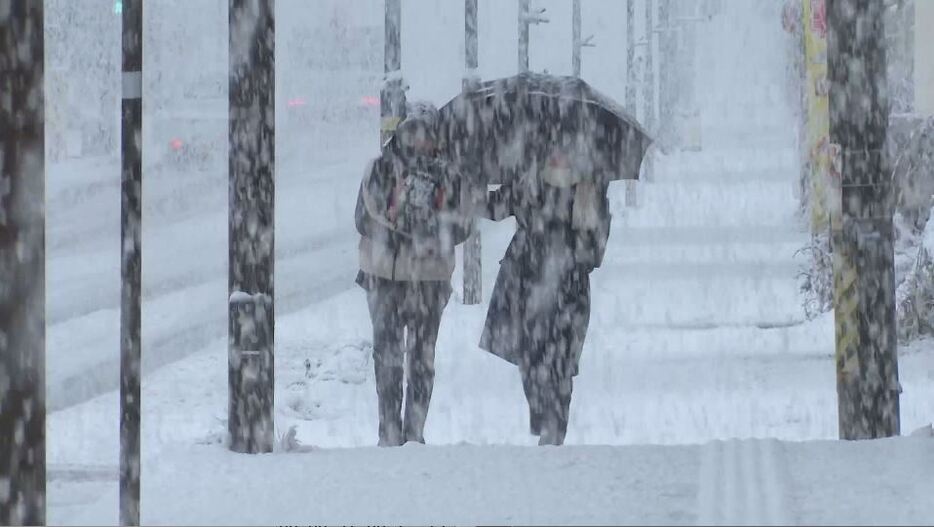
(388, 252)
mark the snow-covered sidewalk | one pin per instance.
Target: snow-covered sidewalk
(696, 337)
(752, 482)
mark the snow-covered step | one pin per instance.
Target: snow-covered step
(722, 177)
(691, 236)
(688, 294)
(707, 254)
(750, 159)
(755, 203)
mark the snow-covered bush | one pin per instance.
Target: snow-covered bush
(817, 276)
(914, 295)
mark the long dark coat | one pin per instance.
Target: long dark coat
(540, 306)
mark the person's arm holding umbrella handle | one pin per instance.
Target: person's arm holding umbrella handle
(591, 222)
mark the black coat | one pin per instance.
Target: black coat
(540, 306)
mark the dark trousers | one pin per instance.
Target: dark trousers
(548, 391)
(552, 341)
(406, 317)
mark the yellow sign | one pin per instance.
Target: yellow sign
(390, 123)
(817, 105)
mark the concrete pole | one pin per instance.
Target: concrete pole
(861, 223)
(22, 258)
(251, 225)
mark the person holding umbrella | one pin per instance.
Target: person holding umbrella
(409, 215)
(553, 144)
(540, 307)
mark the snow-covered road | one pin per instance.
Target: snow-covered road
(184, 261)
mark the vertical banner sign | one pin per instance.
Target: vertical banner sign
(817, 111)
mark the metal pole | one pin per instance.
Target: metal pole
(675, 73)
(631, 196)
(473, 291)
(576, 37)
(392, 95)
(524, 36)
(471, 43)
(649, 82)
(665, 88)
(22, 258)
(131, 260)
(861, 226)
(690, 123)
(251, 225)
(630, 56)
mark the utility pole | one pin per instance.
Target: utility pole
(649, 82)
(473, 287)
(631, 197)
(251, 225)
(131, 259)
(526, 18)
(576, 37)
(666, 52)
(577, 43)
(861, 223)
(630, 57)
(392, 94)
(22, 258)
(524, 35)
(689, 124)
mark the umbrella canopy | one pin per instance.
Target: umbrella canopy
(501, 127)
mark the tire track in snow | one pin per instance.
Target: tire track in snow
(743, 483)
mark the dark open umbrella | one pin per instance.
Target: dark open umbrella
(498, 129)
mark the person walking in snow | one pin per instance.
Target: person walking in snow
(540, 307)
(409, 216)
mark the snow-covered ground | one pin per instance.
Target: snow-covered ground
(751, 482)
(687, 345)
(704, 395)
